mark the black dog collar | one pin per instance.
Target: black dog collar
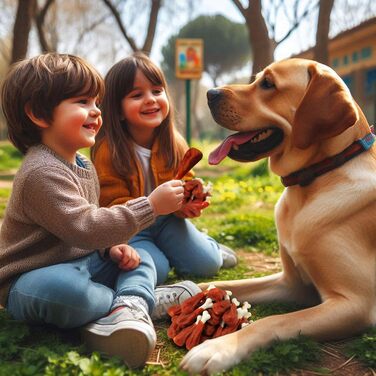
(305, 176)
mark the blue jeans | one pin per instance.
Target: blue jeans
(76, 292)
(176, 242)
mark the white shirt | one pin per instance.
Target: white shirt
(143, 156)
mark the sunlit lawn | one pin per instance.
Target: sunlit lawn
(241, 216)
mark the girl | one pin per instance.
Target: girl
(139, 149)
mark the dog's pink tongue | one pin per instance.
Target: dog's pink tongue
(221, 152)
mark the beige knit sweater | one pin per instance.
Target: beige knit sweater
(53, 216)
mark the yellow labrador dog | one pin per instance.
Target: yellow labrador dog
(301, 115)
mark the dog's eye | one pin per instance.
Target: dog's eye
(266, 83)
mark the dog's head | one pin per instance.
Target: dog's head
(292, 104)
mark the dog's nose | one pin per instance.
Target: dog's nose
(213, 95)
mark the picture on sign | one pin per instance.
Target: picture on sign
(189, 58)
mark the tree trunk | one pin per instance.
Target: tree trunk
(40, 20)
(320, 51)
(261, 45)
(155, 6)
(21, 29)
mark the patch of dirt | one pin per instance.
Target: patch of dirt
(336, 363)
(259, 262)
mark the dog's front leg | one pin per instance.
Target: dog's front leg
(286, 286)
(332, 319)
(257, 290)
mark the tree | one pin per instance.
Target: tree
(226, 46)
(27, 12)
(22, 25)
(152, 24)
(320, 50)
(260, 26)
(39, 21)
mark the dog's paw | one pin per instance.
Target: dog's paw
(212, 356)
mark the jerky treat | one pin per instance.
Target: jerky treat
(190, 159)
(208, 314)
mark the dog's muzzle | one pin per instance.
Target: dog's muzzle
(213, 95)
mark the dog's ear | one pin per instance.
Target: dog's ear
(326, 110)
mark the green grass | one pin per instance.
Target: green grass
(364, 348)
(241, 216)
(10, 157)
(4, 195)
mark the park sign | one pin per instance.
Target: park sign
(189, 58)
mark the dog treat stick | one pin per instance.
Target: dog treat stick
(208, 314)
(190, 159)
(188, 319)
(195, 337)
(192, 303)
(182, 336)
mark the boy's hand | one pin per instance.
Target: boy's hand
(168, 197)
(125, 256)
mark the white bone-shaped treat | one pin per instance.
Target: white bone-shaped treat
(243, 313)
(198, 319)
(205, 316)
(208, 304)
(246, 305)
(235, 301)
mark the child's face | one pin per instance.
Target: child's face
(76, 121)
(145, 107)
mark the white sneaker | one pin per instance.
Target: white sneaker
(229, 257)
(170, 295)
(128, 333)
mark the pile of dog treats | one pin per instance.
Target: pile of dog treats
(209, 314)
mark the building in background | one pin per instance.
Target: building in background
(352, 54)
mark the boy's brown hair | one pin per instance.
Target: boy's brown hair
(40, 84)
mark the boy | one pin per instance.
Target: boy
(58, 264)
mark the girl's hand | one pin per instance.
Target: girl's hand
(125, 256)
(194, 189)
(168, 197)
(192, 209)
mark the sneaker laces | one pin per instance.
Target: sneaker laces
(165, 301)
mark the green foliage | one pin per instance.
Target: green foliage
(280, 357)
(264, 310)
(72, 363)
(11, 334)
(10, 157)
(226, 45)
(247, 230)
(261, 169)
(4, 195)
(364, 348)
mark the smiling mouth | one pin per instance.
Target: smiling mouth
(91, 127)
(149, 112)
(247, 146)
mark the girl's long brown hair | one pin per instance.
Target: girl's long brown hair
(119, 82)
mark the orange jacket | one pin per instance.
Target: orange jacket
(114, 190)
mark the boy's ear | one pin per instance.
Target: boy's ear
(37, 121)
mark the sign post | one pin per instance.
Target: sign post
(188, 66)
